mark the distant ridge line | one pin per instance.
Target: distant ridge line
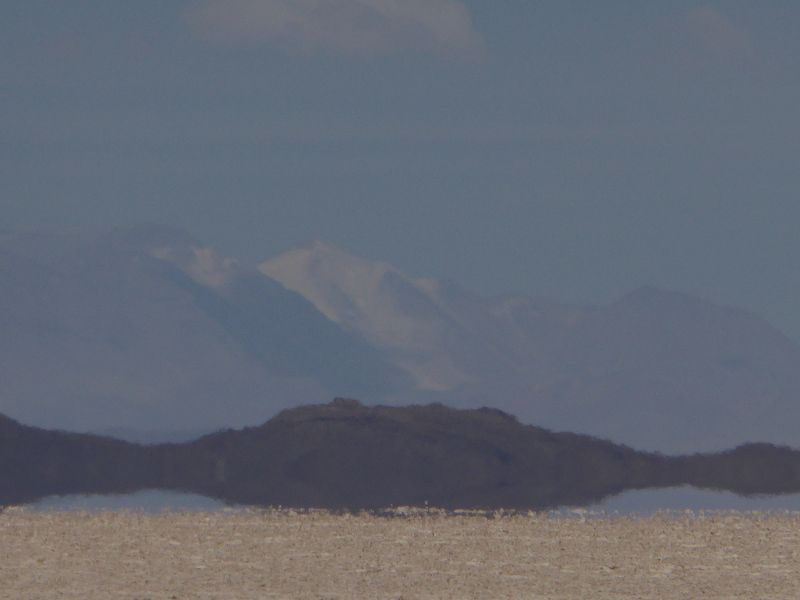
(345, 455)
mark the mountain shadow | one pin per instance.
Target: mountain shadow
(345, 455)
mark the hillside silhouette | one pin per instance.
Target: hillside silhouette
(345, 455)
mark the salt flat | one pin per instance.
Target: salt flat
(425, 554)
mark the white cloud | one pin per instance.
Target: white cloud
(350, 26)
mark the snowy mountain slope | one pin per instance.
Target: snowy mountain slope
(147, 329)
(442, 335)
(656, 369)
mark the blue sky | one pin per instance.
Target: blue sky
(575, 150)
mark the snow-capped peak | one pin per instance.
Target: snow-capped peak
(340, 285)
(203, 264)
(375, 300)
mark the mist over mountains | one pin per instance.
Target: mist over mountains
(149, 329)
(146, 329)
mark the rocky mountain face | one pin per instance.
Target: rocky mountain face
(146, 329)
(344, 455)
(657, 370)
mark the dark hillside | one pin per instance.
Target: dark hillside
(36, 462)
(347, 455)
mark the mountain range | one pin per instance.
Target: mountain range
(145, 330)
(344, 455)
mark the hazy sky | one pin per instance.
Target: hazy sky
(570, 149)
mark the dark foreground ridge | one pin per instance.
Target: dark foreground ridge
(345, 455)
